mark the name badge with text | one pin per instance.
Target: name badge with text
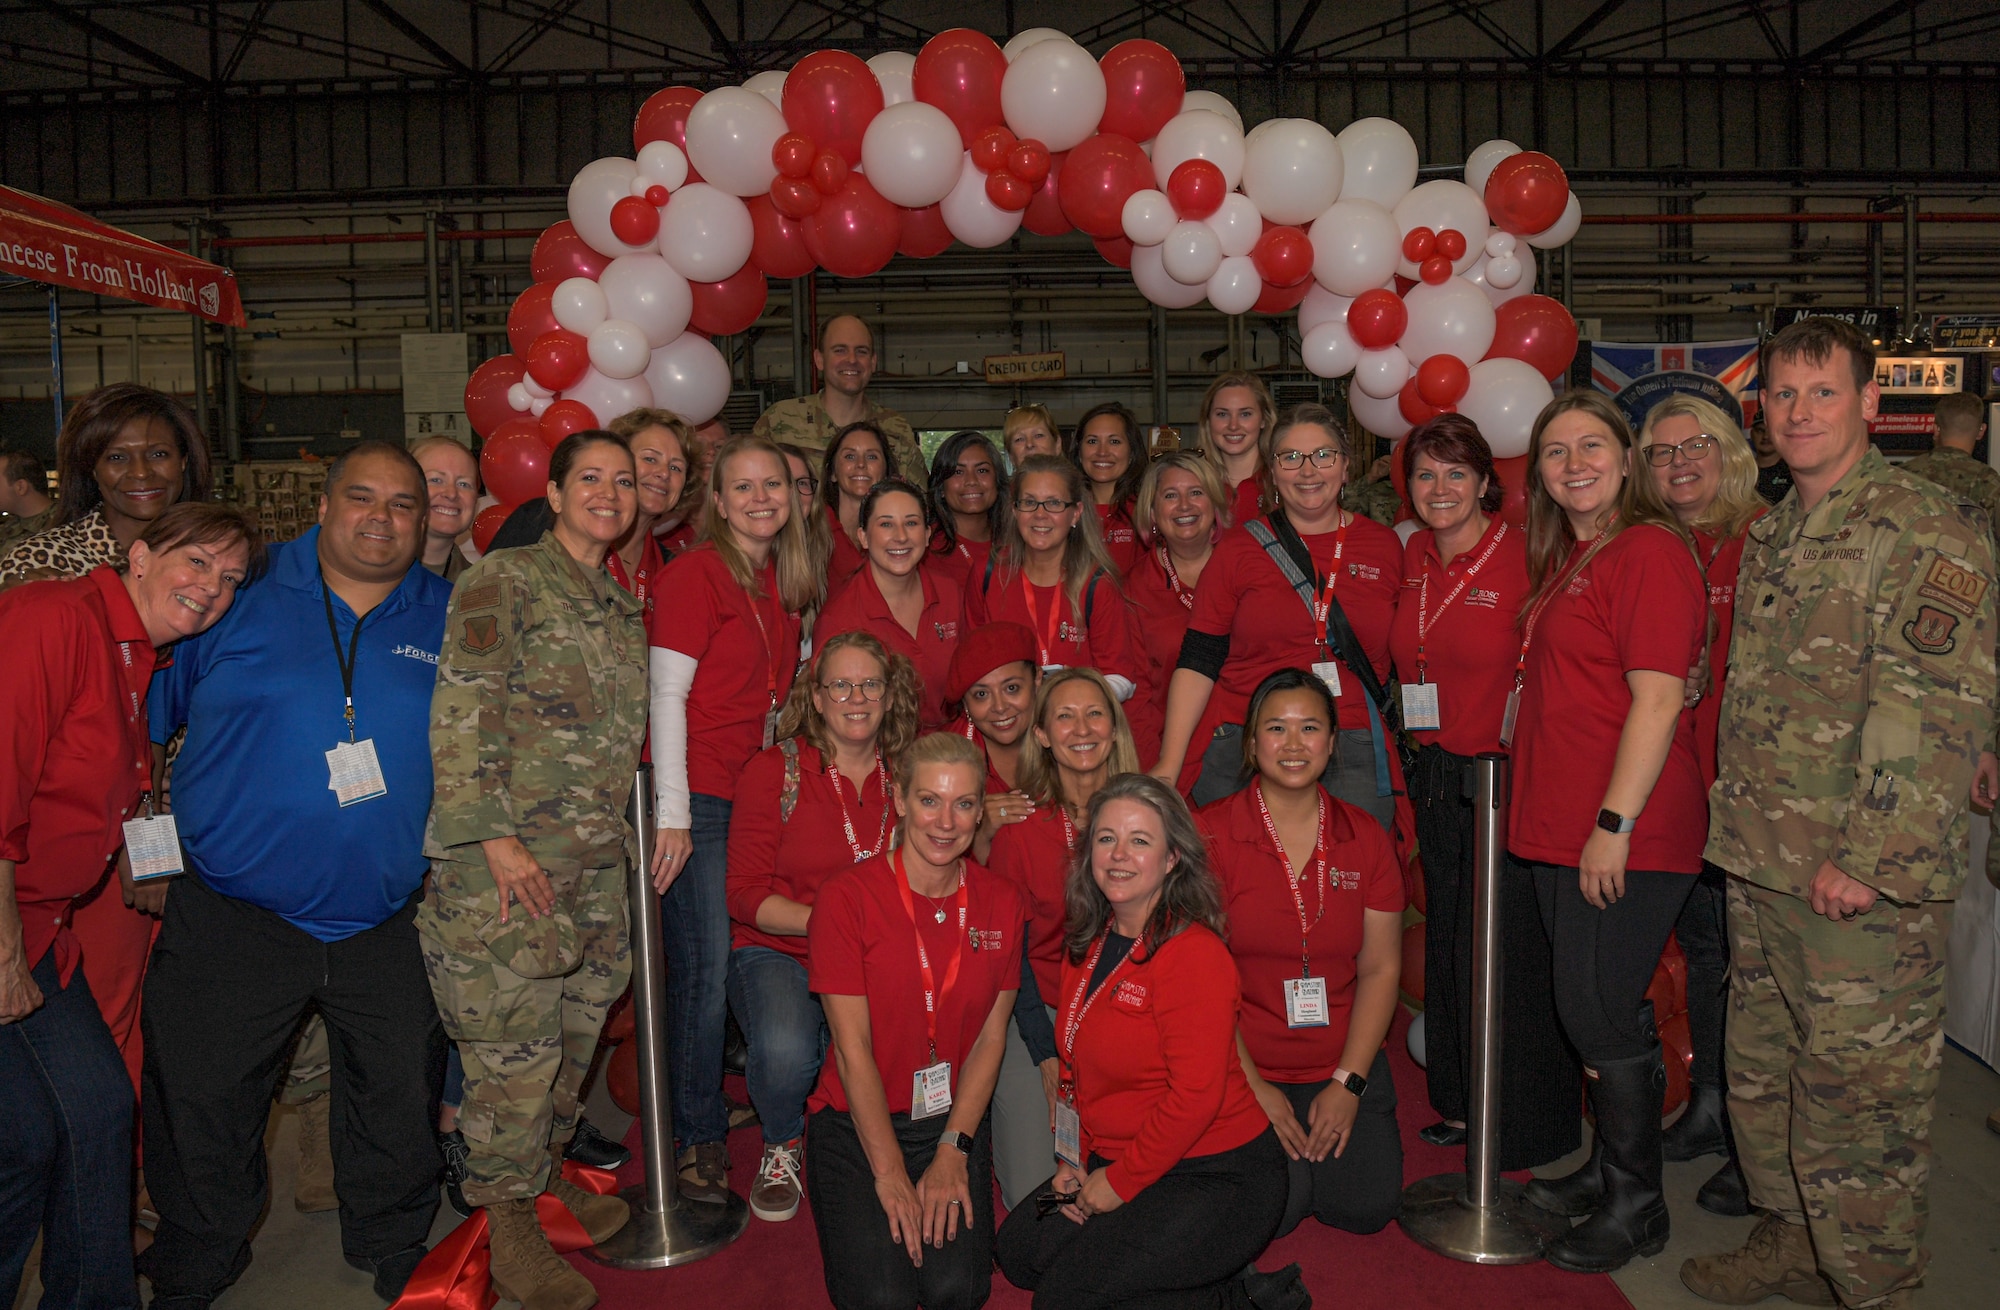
(353, 773)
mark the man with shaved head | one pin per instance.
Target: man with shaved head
(845, 360)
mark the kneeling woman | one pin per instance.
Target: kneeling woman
(915, 955)
(1315, 907)
(1170, 1179)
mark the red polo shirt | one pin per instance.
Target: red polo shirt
(770, 855)
(1114, 524)
(848, 559)
(864, 943)
(964, 562)
(1243, 500)
(1107, 643)
(1034, 855)
(1162, 607)
(860, 606)
(1724, 560)
(644, 584)
(962, 727)
(72, 716)
(1264, 931)
(1471, 608)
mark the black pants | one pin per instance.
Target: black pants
(1177, 1245)
(1704, 932)
(865, 1268)
(226, 988)
(1361, 1189)
(1605, 959)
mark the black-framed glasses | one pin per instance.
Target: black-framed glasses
(1047, 1203)
(1660, 453)
(807, 486)
(843, 689)
(1293, 460)
(1054, 505)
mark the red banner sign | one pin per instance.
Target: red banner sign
(49, 242)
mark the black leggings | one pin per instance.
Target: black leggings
(1177, 1245)
(1605, 959)
(1704, 932)
(1361, 1189)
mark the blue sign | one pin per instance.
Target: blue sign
(1638, 398)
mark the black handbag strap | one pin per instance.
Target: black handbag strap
(1282, 543)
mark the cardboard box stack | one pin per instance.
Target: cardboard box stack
(282, 495)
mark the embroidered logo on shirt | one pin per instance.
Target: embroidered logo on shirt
(481, 635)
(1932, 631)
(987, 939)
(1067, 631)
(1347, 880)
(1578, 585)
(1960, 588)
(412, 652)
(1483, 597)
(1366, 572)
(1132, 994)
(946, 631)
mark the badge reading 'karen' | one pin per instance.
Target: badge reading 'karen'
(1933, 631)
(481, 635)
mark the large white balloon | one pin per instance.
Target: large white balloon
(1480, 163)
(706, 233)
(608, 398)
(645, 291)
(1322, 306)
(1504, 398)
(1149, 274)
(1452, 318)
(1564, 228)
(1033, 36)
(1443, 205)
(895, 69)
(1383, 417)
(619, 349)
(1329, 350)
(578, 304)
(596, 187)
(1382, 373)
(1524, 285)
(1191, 253)
(1235, 285)
(1214, 103)
(689, 376)
(770, 84)
(1292, 168)
(663, 162)
(1237, 223)
(1148, 217)
(970, 216)
(912, 154)
(1356, 245)
(1380, 158)
(730, 133)
(1199, 134)
(1053, 93)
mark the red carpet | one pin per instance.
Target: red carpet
(779, 1265)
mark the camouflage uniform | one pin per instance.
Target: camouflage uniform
(1375, 498)
(19, 527)
(1964, 477)
(536, 725)
(804, 422)
(1859, 695)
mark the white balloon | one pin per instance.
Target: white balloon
(1355, 247)
(706, 233)
(1329, 350)
(1503, 272)
(1383, 417)
(973, 218)
(1199, 134)
(1292, 168)
(1150, 275)
(1480, 163)
(535, 390)
(1191, 253)
(619, 349)
(1452, 318)
(578, 304)
(1033, 36)
(596, 187)
(689, 376)
(912, 154)
(518, 398)
(1053, 93)
(730, 133)
(1504, 398)
(1235, 285)
(1500, 243)
(1443, 205)
(1563, 229)
(1382, 373)
(1215, 104)
(1414, 1038)
(771, 85)
(1499, 296)
(1381, 161)
(540, 405)
(1237, 223)
(1322, 306)
(1148, 217)
(644, 290)
(895, 70)
(609, 398)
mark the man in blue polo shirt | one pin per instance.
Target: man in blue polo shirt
(301, 793)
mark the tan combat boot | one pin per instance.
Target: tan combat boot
(312, 1191)
(525, 1267)
(1778, 1259)
(601, 1216)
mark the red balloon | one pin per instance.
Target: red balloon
(1403, 285)
(634, 222)
(1442, 380)
(792, 155)
(1008, 192)
(1413, 962)
(1537, 331)
(486, 392)
(620, 1023)
(1029, 160)
(779, 246)
(1044, 216)
(530, 317)
(1279, 300)
(560, 253)
(1678, 1050)
(1143, 88)
(1436, 270)
(854, 233)
(990, 147)
(1526, 193)
(1283, 256)
(829, 173)
(832, 96)
(519, 425)
(722, 309)
(557, 360)
(1097, 179)
(515, 465)
(1413, 867)
(1377, 318)
(1451, 243)
(664, 117)
(1413, 405)
(657, 195)
(795, 199)
(1513, 475)
(1117, 250)
(621, 1076)
(959, 71)
(1197, 188)
(1419, 243)
(486, 524)
(565, 417)
(924, 233)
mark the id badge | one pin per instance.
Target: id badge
(1420, 707)
(1069, 1134)
(1051, 668)
(770, 728)
(1305, 1003)
(353, 773)
(930, 1091)
(153, 846)
(1328, 672)
(1507, 719)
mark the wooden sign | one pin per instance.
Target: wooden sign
(1006, 370)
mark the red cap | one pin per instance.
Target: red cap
(985, 649)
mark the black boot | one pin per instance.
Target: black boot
(1725, 1193)
(1575, 1194)
(1701, 1129)
(1632, 1218)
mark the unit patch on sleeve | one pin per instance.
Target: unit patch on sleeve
(1954, 585)
(1933, 631)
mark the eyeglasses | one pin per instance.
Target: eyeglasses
(1028, 505)
(842, 689)
(1660, 454)
(1047, 1203)
(1293, 460)
(806, 486)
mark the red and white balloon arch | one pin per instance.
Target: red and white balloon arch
(1423, 292)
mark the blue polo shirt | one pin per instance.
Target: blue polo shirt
(260, 695)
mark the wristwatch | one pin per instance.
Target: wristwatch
(1613, 821)
(1353, 1082)
(963, 1141)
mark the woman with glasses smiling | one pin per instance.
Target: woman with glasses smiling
(968, 500)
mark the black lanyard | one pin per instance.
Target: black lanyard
(353, 650)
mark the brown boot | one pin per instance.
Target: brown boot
(312, 1191)
(525, 1267)
(1778, 1259)
(600, 1216)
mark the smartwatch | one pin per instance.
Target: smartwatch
(1613, 821)
(1353, 1082)
(963, 1141)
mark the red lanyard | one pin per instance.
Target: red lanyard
(847, 821)
(1424, 595)
(933, 994)
(1319, 874)
(142, 753)
(1045, 631)
(1324, 605)
(1081, 997)
(640, 581)
(1181, 594)
(1069, 829)
(770, 656)
(1535, 614)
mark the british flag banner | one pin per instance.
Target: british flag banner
(1616, 365)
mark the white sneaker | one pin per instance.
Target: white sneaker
(775, 1195)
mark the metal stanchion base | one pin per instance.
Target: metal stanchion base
(681, 1234)
(1437, 1215)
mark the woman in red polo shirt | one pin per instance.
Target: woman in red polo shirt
(664, 449)
(723, 657)
(1176, 515)
(968, 499)
(1314, 903)
(1170, 1179)
(1112, 454)
(914, 954)
(856, 459)
(1249, 621)
(992, 680)
(1609, 814)
(1236, 413)
(913, 609)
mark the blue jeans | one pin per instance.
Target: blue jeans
(66, 1151)
(694, 918)
(786, 1029)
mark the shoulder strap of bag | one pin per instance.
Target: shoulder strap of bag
(788, 797)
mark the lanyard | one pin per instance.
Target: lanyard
(1045, 631)
(1080, 1003)
(847, 821)
(1424, 624)
(1181, 594)
(1319, 875)
(770, 656)
(640, 581)
(933, 994)
(142, 752)
(353, 650)
(1069, 829)
(1535, 614)
(1324, 605)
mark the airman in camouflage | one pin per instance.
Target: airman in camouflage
(845, 358)
(1374, 496)
(1858, 703)
(1961, 419)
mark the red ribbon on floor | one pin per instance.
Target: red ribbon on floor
(456, 1274)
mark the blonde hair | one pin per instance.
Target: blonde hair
(631, 423)
(1204, 470)
(901, 697)
(1038, 776)
(1736, 500)
(1022, 415)
(945, 748)
(1084, 556)
(1267, 412)
(801, 577)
